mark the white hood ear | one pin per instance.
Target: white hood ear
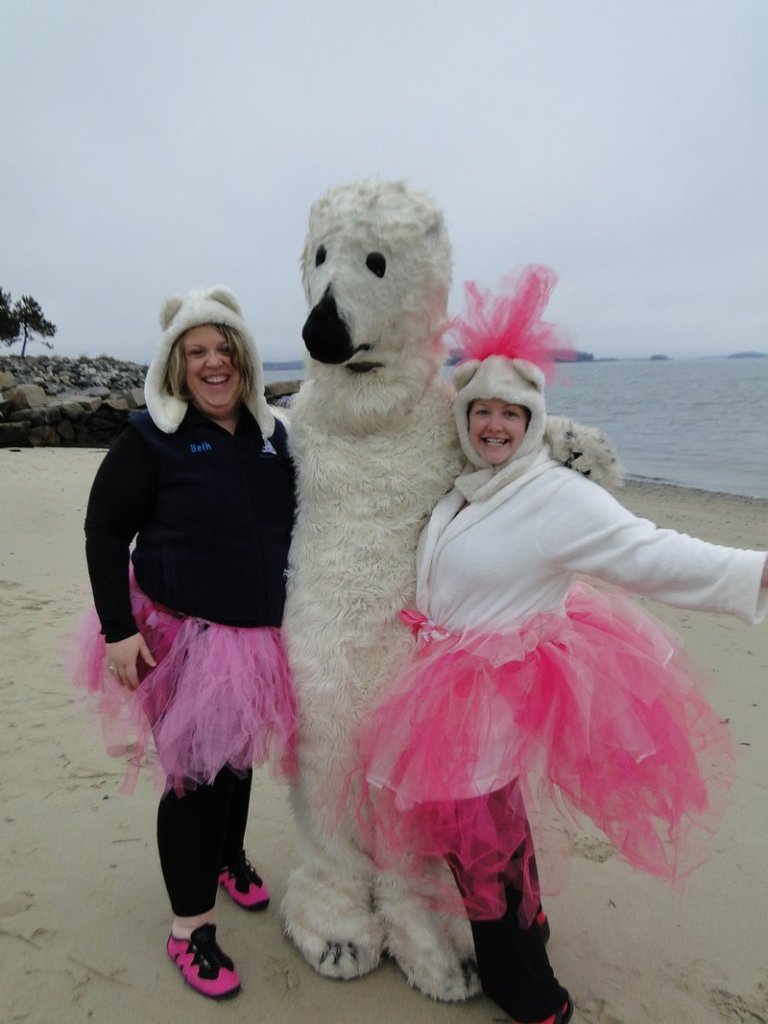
(531, 373)
(169, 309)
(217, 305)
(220, 293)
(464, 373)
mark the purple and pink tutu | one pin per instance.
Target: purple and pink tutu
(489, 748)
(220, 696)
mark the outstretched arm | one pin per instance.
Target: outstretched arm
(584, 529)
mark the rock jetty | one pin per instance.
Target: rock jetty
(54, 400)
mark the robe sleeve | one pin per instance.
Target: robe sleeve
(586, 530)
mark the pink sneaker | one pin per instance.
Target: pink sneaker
(543, 922)
(203, 965)
(562, 1016)
(244, 885)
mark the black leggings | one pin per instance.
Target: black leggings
(198, 834)
(512, 960)
(514, 967)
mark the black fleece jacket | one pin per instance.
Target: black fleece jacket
(211, 513)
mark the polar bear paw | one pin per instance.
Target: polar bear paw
(434, 951)
(584, 449)
(334, 957)
(333, 927)
(438, 968)
(446, 977)
(346, 960)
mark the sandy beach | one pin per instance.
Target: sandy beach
(83, 911)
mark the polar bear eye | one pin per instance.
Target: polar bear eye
(320, 256)
(376, 263)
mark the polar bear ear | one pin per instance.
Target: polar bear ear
(223, 295)
(169, 309)
(464, 373)
(435, 225)
(530, 372)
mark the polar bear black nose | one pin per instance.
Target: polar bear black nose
(325, 334)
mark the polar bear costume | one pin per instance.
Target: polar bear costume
(375, 444)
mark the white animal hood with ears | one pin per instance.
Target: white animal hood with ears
(512, 380)
(216, 306)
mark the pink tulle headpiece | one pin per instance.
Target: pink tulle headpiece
(509, 323)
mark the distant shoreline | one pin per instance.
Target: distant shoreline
(13, 358)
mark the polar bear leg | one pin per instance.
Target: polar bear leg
(434, 950)
(328, 905)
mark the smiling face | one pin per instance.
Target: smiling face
(213, 383)
(496, 429)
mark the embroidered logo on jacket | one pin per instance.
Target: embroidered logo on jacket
(203, 447)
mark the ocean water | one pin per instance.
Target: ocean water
(692, 422)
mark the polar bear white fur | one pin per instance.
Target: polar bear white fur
(373, 436)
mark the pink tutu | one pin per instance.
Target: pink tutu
(219, 696)
(493, 745)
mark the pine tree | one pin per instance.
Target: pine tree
(22, 320)
(9, 325)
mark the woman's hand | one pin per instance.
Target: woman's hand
(123, 656)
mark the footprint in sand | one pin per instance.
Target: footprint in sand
(596, 850)
(17, 904)
(596, 1011)
(280, 971)
(733, 1007)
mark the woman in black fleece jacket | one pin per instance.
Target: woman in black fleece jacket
(187, 654)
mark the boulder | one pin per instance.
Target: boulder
(135, 398)
(86, 402)
(37, 417)
(115, 404)
(72, 410)
(27, 396)
(14, 433)
(43, 436)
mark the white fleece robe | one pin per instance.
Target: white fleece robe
(516, 552)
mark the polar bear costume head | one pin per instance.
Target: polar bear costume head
(376, 270)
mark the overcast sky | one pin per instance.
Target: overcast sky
(152, 145)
